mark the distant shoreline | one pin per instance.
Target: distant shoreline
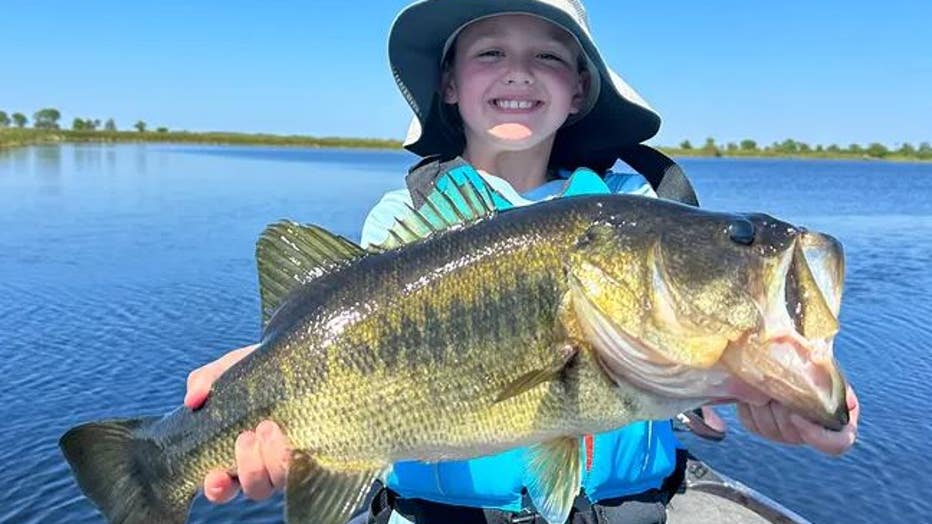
(22, 137)
(10, 138)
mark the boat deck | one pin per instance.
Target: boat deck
(709, 496)
(696, 507)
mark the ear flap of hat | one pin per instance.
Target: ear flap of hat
(596, 140)
(441, 133)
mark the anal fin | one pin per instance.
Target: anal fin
(318, 494)
(555, 473)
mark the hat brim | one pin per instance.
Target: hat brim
(618, 118)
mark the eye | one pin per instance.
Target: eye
(490, 53)
(551, 57)
(741, 231)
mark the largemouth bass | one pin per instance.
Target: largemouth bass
(526, 327)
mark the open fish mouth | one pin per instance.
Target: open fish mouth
(791, 358)
(786, 357)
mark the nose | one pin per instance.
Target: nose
(518, 73)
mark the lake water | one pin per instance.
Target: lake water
(124, 267)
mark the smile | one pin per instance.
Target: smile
(509, 104)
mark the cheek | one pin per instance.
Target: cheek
(566, 81)
(471, 84)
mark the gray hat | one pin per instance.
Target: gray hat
(615, 116)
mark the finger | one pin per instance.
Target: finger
(788, 432)
(854, 407)
(219, 487)
(765, 421)
(253, 477)
(747, 420)
(202, 379)
(226, 361)
(822, 439)
(713, 419)
(198, 386)
(276, 454)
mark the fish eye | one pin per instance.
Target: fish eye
(741, 231)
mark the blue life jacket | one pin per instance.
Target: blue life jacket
(622, 462)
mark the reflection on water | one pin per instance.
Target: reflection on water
(88, 159)
(123, 267)
(142, 159)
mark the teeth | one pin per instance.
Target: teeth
(514, 104)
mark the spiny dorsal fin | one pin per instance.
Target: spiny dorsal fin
(555, 471)
(290, 254)
(325, 495)
(459, 197)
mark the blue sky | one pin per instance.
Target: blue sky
(826, 71)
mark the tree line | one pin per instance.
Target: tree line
(48, 117)
(790, 147)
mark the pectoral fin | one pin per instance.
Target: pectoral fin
(324, 495)
(555, 469)
(526, 382)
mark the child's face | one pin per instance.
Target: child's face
(515, 79)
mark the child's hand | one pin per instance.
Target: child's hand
(776, 423)
(261, 456)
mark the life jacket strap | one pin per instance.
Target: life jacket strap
(666, 176)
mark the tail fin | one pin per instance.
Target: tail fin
(126, 477)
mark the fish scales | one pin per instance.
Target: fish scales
(368, 374)
(417, 354)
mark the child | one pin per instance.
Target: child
(518, 91)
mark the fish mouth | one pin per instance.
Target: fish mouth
(790, 359)
(801, 375)
(787, 357)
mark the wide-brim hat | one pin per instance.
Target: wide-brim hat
(614, 117)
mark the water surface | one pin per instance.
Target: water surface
(124, 267)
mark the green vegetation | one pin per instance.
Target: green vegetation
(46, 118)
(795, 149)
(20, 120)
(45, 129)
(84, 124)
(15, 137)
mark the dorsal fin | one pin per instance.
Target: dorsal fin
(289, 254)
(459, 197)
